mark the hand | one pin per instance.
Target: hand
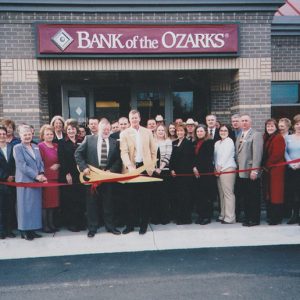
(253, 175)
(149, 172)
(294, 166)
(41, 178)
(158, 171)
(131, 168)
(10, 178)
(86, 172)
(55, 167)
(173, 174)
(196, 172)
(69, 178)
(44, 179)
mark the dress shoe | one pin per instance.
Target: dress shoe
(224, 222)
(54, 229)
(274, 222)
(35, 235)
(26, 235)
(73, 229)
(2, 236)
(143, 230)
(128, 229)
(48, 230)
(91, 234)
(218, 220)
(293, 220)
(10, 234)
(250, 224)
(205, 221)
(198, 221)
(113, 231)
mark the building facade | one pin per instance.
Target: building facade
(260, 77)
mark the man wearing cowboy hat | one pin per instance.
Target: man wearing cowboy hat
(159, 120)
(190, 127)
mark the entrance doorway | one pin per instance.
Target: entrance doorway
(172, 94)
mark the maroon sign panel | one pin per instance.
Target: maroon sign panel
(136, 39)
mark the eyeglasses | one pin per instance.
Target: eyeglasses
(223, 130)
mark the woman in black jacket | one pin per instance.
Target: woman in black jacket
(181, 162)
(72, 197)
(206, 185)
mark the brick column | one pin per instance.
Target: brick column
(20, 92)
(251, 92)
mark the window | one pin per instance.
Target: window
(285, 99)
(183, 104)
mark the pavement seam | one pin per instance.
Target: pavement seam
(153, 237)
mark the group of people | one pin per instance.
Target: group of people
(203, 167)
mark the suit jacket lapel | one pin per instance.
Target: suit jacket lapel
(2, 154)
(9, 152)
(111, 143)
(94, 144)
(28, 152)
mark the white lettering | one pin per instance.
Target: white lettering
(220, 40)
(83, 39)
(165, 37)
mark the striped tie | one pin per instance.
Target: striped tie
(241, 141)
(103, 155)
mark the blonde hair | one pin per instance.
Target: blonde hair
(60, 118)
(44, 128)
(164, 127)
(296, 119)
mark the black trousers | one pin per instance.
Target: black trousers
(138, 204)
(160, 202)
(293, 188)
(182, 200)
(72, 206)
(7, 208)
(206, 194)
(103, 198)
(251, 194)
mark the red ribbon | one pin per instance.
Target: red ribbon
(95, 184)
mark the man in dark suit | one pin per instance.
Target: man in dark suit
(123, 124)
(249, 151)
(7, 173)
(213, 131)
(100, 151)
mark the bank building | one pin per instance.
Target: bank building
(179, 58)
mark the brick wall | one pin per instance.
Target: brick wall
(252, 87)
(285, 53)
(18, 28)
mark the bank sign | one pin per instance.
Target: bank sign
(136, 40)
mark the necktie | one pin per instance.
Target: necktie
(241, 141)
(211, 133)
(103, 154)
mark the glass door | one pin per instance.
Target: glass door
(150, 103)
(76, 103)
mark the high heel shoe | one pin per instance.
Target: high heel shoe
(26, 235)
(35, 235)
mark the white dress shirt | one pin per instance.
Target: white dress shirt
(4, 151)
(138, 146)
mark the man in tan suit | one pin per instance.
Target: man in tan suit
(137, 149)
(249, 151)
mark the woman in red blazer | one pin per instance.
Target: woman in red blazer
(274, 148)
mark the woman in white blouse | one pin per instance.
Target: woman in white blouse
(224, 162)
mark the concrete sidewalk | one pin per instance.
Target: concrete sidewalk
(158, 237)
